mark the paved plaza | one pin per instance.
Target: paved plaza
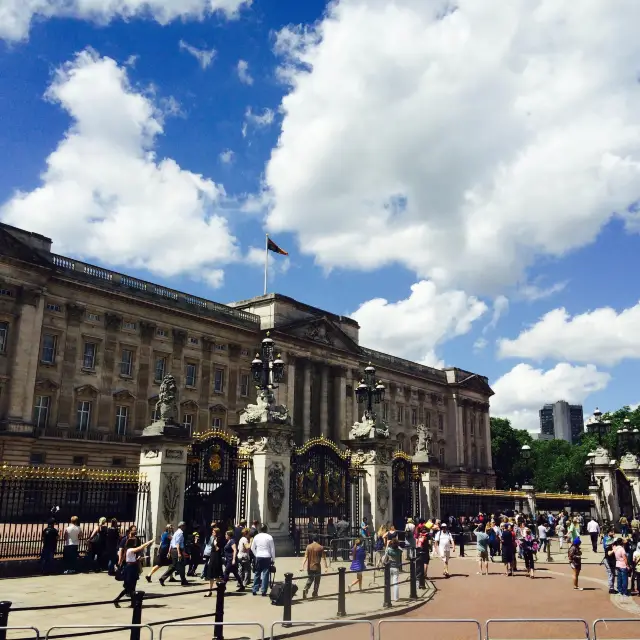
(465, 595)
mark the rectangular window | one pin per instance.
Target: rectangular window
(131, 326)
(84, 415)
(161, 333)
(161, 365)
(218, 381)
(41, 411)
(221, 347)
(244, 352)
(53, 307)
(441, 456)
(414, 417)
(93, 317)
(36, 458)
(400, 413)
(472, 424)
(385, 410)
(194, 341)
(4, 334)
(122, 420)
(427, 421)
(216, 423)
(191, 375)
(187, 422)
(48, 355)
(89, 355)
(421, 414)
(126, 362)
(117, 462)
(6, 292)
(244, 384)
(79, 461)
(440, 422)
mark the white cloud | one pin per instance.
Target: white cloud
(257, 120)
(480, 344)
(16, 16)
(104, 195)
(243, 72)
(534, 292)
(255, 257)
(602, 336)
(467, 144)
(203, 56)
(412, 328)
(500, 307)
(521, 393)
(214, 278)
(227, 156)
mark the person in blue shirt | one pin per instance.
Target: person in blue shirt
(364, 528)
(177, 551)
(163, 551)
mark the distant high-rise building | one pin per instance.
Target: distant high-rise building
(561, 421)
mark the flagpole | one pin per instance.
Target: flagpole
(266, 262)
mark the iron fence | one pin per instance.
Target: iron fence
(30, 498)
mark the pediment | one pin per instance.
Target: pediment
(47, 385)
(478, 385)
(87, 390)
(123, 394)
(190, 404)
(218, 408)
(321, 331)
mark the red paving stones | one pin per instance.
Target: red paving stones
(550, 595)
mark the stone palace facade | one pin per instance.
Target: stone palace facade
(83, 351)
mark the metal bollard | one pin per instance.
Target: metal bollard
(5, 605)
(136, 616)
(413, 592)
(288, 592)
(420, 570)
(218, 632)
(342, 588)
(386, 603)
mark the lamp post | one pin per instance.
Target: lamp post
(370, 392)
(599, 427)
(267, 370)
(525, 454)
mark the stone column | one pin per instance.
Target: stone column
(340, 383)
(268, 488)
(458, 417)
(70, 364)
(306, 402)
(373, 458)
(429, 486)
(487, 438)
(629, 464)
(113, 322)
(163, 459)
(26, 352)
(529, 503)
(354, 399)
(324, 401)
(606, 492)
(291, 384)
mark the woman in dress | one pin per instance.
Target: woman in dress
(381, 539)
(130, 571)
(358, 557)
(163, 551)
(508, 549)
(575, 561)
(529, 548)
(213, 568)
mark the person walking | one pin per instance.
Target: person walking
(482, 548)
(72, 537)
(177, 554)
(213, 568)
(560, 529)
(593, 529)
(444, 546)
(507, 543)
(609, 560)
(410, 538)
(575, 561)
(543, 533)
(358, 558)
(49, 545)
(264, 550)
(244, 556)
(393, 556)
(111, 546)
(529, 549)
(163, 551)
(130, 571)
(622, 567)
(624, 525)
(313, 556)
(97, 545)
(231, 560)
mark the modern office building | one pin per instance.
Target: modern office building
(561, 421)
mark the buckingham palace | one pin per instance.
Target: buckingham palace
(83, 351)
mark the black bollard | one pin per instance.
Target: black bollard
(218, 631)
(5, 605)
(413, 592)
(342, 588)
(288, 592)
(136, 616)
(420, 568)
(387, 587)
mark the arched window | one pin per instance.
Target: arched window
(400, 442)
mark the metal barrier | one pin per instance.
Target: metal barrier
(210, 625)
(608, 620)
(395, 621)
(332, 623)
(115, 627)
(512, 620)
(3, 631)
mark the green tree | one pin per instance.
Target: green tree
(506, 444)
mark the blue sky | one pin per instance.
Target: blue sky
(451, 180)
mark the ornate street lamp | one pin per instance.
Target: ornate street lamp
(525, 454)
(592, 464)
(370, 392)
(565, 488)
(267, 371)
(598, 427)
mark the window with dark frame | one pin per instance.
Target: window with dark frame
(122, 419)
(48, 354)
(4, 335)
(191, 374)
(89, 355)
(84, 415)
(41, 411)
(161, 365)
(218, 381)
(187, 422)
(126, 362)
(244, 384)
(36, 458)
(216, 423)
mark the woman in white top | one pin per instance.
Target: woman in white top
(446, 545)
(244, 556)
(72, 537)
(131, 570)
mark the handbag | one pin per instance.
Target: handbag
(119, 574)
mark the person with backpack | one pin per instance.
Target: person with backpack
(423, 548)
(96, 545)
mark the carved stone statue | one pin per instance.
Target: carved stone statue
(265, 411)
(423, 446)
(369, 428)
(167, 405)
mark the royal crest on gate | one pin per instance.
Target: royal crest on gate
(215, 460)
(334, 488)
(309, 487)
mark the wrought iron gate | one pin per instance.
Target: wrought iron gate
(216, 484)
(625, 493)
(321, 487)
(404, 490)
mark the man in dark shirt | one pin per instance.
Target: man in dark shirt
(237, 531)
(49, 545)
(342, 533)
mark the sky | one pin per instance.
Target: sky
(462, 178)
